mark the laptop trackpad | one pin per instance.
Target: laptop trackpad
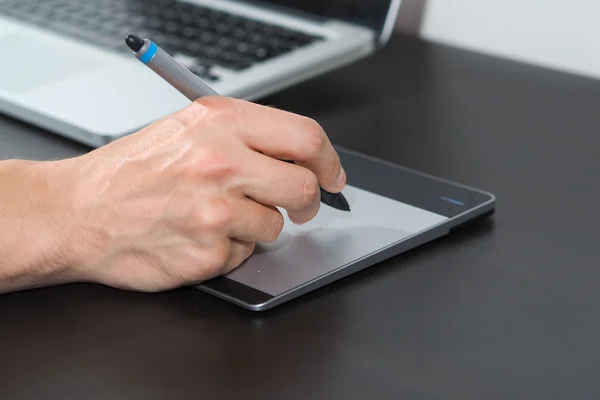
(28, 63)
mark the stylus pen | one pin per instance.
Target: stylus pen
(192, 87)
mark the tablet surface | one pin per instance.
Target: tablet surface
(393, 210)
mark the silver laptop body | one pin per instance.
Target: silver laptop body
(64, 66)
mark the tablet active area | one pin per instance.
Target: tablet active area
(331, 240)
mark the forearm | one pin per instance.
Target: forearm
(33, 217)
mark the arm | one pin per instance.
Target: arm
(33, 219)
(179, 202)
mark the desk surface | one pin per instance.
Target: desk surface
(508, 309)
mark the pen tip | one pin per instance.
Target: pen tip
(335, 200)
(135, 43)
(344, 206)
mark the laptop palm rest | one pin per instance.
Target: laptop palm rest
(40, 64)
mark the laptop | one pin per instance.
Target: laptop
(64, 65)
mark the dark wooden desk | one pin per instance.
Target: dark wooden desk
(509, 309)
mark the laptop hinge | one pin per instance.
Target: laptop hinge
(309, 17)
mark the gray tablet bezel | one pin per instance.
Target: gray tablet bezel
(461, 204)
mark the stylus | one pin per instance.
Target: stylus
(192, 87)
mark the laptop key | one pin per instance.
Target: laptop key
(239, 34)
(246, 62)
(221, 29)
(152, 23)
(208, 38)
(211, 52)
(261, 53)
(245, 48)
(203, 23)
(171, 28)
(279, 45)
(189, 32)
(258, 39)
(227, 43)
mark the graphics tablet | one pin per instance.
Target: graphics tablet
(394, 209)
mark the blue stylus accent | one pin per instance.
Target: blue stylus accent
(460, 203)
(147, 56)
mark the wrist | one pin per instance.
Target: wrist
(35, 210)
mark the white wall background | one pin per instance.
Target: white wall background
(560, 34)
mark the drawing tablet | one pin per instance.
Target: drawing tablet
(394, 209)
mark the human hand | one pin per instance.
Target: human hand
(188, 197)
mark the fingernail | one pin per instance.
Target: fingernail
(341, 179)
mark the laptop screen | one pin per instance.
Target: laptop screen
(369, 13)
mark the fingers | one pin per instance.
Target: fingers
(255, 222)
(284, 135)
(240, 251)
(234, 217)
(223, 256)
(280, 184)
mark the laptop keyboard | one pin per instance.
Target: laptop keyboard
(205, 36)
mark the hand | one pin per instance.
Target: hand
(187, 198)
